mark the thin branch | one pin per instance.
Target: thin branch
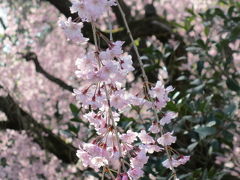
(31, 56)
(145, 27)
(146, 82)
(3, 24)
(127, 12)
(19, 119)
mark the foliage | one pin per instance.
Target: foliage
(207, 88)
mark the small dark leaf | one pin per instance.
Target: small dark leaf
(205, 131)
(200, 66)
(192, 146)
(74, 109)
(233, 85)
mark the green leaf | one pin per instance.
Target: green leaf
(220, 13)
(235, 33)
(230, 11)
(172, 106)
(75, 119)
(197, 89)
(205, 131)
(137, 42)
(233, 85)
(227, 138)
(74, 109)
(73, 128)
(201, 43)
(176, 95)
(229, 110)
(196, 82)
(192, 146)
(67, 133)
(181, 78)
(200, 66)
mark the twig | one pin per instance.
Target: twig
(109, 106)
(146, 82)
(31, 56)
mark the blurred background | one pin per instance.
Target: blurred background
(193, 45)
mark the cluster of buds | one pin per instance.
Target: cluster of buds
(103, 73)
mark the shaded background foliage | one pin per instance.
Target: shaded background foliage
(195, 50)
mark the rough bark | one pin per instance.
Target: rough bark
(19, 119)
(31, 56)
(147, 26)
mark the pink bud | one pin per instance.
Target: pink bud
(118, 177)
(125, 176)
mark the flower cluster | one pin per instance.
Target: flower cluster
(103, 96)
(23, 159)
(73, 30)
(90, 10)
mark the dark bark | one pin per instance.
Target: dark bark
(145, 27)
(19, 119)
(150, 25)
(31, 56)
(126, 10)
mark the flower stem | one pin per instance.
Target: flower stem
(109, 108)
(145, 78)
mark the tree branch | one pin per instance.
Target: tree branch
(145, 27)
(19, 119)
(150, 25)
(126, 10)
(31, 56)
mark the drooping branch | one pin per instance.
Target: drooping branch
(19, 119)
(144, 27)
(31, 56)
(126, 10)
(150, 25)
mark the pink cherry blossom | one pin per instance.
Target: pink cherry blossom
(81, 8)
(90, 10)
(183, 159)
(154, 128)
(145, 138)
(160, 94)
(72, 30)
(99, 161)
(135, 173)
(139, 160)
(116, 48)
(153, 148)
(125, 176)
(84, 157)
(129, 137)
(126, 63)
(118, 100)
(175, 162)
(167, 139)
(168, 117)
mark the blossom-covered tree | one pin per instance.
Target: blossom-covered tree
(156, 88)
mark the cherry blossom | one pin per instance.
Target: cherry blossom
(168, 117)
(151, 148)
(145, 138)
(154, 128)
(175, 162)
(73, 30)
(160, 94)
(104, 73)
(129, 137)
(135, 173)
(139, 160)
(90, 10)
(167, 139)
